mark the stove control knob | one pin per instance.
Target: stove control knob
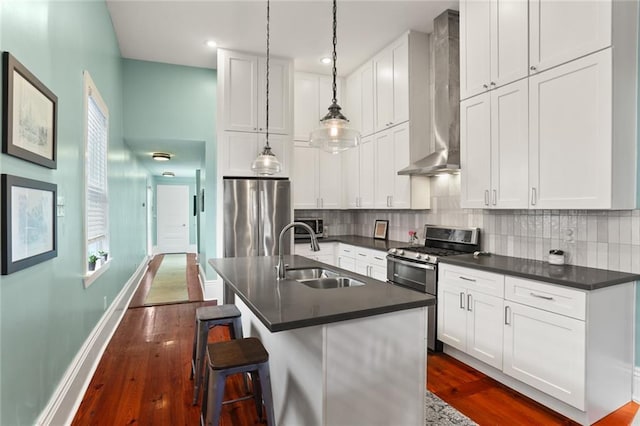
(418, 256)
(400, 252)
(393, 251)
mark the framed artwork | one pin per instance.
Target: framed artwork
(195, 205)
(29, 123)
(380, 229)
(202, 200)
(29, 234)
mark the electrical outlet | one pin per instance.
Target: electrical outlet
(569, 235)
(104, 304)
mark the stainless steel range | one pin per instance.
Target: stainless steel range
(416, 267)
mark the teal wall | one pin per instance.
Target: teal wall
(173, 102)
(45, 312)
(191, 183)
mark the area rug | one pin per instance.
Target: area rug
(170, 283)
(442, 414)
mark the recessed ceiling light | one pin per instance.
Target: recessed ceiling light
(326, 60)
(168, 174)
(211, 43)
(161, 156)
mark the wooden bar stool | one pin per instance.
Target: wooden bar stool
(206, 318)
(232, 357)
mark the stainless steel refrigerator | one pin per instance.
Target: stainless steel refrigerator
(255, 211)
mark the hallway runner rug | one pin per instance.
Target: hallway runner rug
(440, 413)
(170, 283)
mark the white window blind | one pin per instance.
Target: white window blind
(97, 202)
(96, 158)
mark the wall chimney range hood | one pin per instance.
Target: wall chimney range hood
(446, 113)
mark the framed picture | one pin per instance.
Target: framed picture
(380, 229)
(29, 234)
(202, 200)
(29, 123)
(195, 205)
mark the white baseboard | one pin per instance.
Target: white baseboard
(636, 384)
(211, 289)
(68, 395)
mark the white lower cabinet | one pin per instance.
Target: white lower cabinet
(372, 263)
(470, 314)
(327, 253)
(545, 350)
(568, 349)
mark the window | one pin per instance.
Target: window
(96, 189)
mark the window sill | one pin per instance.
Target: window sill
(91, 276)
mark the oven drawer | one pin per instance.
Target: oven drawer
(480, 281)
(552, 298)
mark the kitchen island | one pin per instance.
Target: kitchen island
(341, 356)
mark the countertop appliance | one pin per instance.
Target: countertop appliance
(314, 223)
(255, 211)
(416, 266)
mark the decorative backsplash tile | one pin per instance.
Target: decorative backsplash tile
(607, 239)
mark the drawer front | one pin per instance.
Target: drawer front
(373, 257)
(473, 279)
(346, 250)
(304, 249)
(552, 298)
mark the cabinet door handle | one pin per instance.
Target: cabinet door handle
(467, 279)
(390, 200)
(495, 197)
(462, 300)
(485, 86)
(360, 254)
(377, 258)
(469, 302)
(493, 83)
(533, 68)
(507, 315)
(540, 296)
(486, 197)
(370, 268)
(534, 196)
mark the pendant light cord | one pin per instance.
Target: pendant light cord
(267, 117)
(335, 55)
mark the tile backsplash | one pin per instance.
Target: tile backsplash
(606, 239)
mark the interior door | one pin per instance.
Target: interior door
(173, 218)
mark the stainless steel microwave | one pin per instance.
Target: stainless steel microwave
(316, 224)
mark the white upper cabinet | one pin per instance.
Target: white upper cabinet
(391, 152)
(495, 148)
(359, 105)
(391, 77)
(239, 149)
(571, 163)
(244, 93)
(311, 100)
(493, 44)
(565, 30)
(317, 178)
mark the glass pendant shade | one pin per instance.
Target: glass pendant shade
(266, 163)
(334, 134)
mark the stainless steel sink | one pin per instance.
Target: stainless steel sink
(337, 282)
(321, 278)
(309, 273)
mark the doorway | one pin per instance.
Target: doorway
(172, 223)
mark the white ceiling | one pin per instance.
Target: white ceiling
(175, 31)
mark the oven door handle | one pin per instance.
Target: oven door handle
(412, 264)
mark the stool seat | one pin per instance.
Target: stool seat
(237, 353)
(232, 357)
(209, 313)
(208, 317)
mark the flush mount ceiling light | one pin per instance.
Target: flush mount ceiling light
(168, 174)
(211, 43)
(326, 60)
(266, 163)
(334, 134)
(161, 156)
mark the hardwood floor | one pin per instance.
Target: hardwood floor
(143, 377)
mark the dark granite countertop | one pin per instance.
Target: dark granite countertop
(579, 277)
(359, 241)
(288, 304)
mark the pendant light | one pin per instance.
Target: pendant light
(334, 134)
(266, 163)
